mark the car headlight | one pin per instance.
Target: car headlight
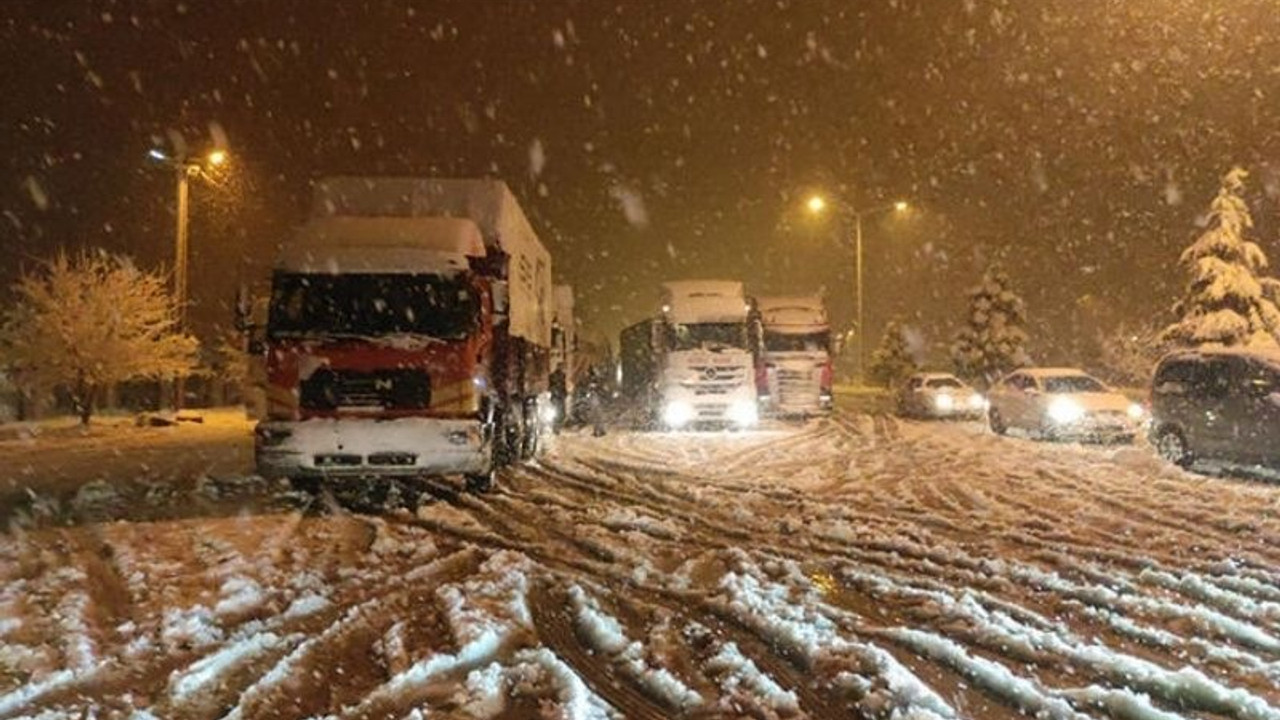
(1065, 411)
(944, 402)
(743, 413)
(677, 414)
(1136, 411)
(977, 402)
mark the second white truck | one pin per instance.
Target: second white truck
(797, 355)
(693, 365)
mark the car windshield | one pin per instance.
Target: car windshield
(1072, 384)
(796, 342)
(944, 383)
(369, 305)
(706, 336)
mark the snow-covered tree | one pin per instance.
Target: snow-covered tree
(1228, 301)
(1128, 354)
(86, 321)
(892, 362)
(993, 339)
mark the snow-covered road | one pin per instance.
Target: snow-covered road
(855, 567)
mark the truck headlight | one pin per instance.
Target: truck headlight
(1065, 411)
(944, 403)
(548, 414)
(744, 413)
(1135, 411)
(677, 414)
(977, 402)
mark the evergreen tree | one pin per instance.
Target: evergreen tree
(892, 362)
(86, 322)
(993, 339)
(1228, 301)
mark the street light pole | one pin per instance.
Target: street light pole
(185, 168)
(817, 204)
(857, 224)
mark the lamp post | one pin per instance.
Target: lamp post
(817, 205)
(184, 168)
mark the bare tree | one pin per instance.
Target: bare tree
(87, 321)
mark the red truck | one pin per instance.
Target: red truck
(408, 336)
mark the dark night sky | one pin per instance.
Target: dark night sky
(1076, 141)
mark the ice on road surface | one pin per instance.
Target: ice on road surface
(852, 567)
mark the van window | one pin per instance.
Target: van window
(1175, 377)
(1213, 381)
(1258, 378)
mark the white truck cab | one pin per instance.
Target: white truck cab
(707, 373)
(797, 355)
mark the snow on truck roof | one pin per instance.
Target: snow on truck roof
(792, 314)
(488, 203)
(382, 244)
(704, 301)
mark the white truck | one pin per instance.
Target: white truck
(693, 364)
(797, 355)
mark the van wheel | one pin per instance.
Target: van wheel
(1172, 446)
(996, 422)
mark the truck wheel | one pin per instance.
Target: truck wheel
(507, 440)
(480, 483)
(308, 485)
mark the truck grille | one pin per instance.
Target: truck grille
(714, 380)
(396, 389)
(798, 388)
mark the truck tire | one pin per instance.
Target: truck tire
(480, 483)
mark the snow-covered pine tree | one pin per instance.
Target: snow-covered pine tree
(993, 339)
(892, 362)
(88, 321)
(1228, 301)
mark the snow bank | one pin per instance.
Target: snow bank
(742, 683)
(537, 673)
(798, 625)
(604, 635)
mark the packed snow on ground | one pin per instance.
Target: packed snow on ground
(843, 567)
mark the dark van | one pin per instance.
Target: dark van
(1217, 405)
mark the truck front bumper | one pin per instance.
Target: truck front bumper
(358, 448)
(684, 407)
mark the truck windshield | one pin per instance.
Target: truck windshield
(709, 336)
(790, 342)
(371, 305)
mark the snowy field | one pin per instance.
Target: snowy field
(859, 567)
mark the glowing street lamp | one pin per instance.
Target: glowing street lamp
(185, 168)
(817, 205)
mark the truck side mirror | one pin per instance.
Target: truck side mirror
(243, 311)
(500, 299)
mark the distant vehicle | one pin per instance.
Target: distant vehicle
(1062, 403)
(940, 395)
(693, 364)
(1217, 405)
(409, 334)
(797, 355)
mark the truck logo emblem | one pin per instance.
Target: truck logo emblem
(382, 384)
(709, 373)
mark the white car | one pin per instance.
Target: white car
(940, 395)
(1058, 403)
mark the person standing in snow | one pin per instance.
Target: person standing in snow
(559, 397)
(595, 401)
